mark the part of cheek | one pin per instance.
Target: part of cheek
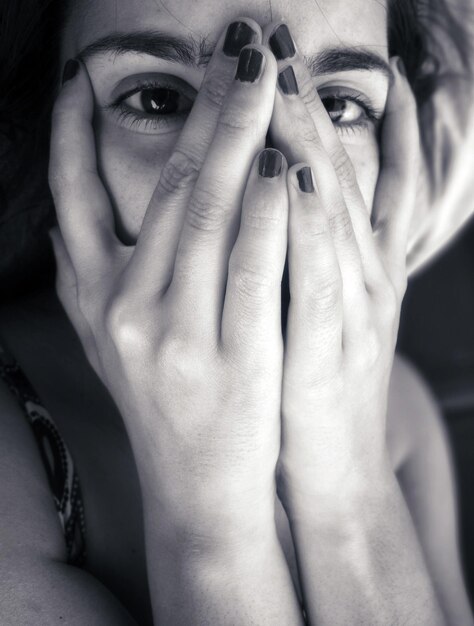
(130, 166)
(366, 164)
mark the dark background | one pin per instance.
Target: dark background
(437, 335)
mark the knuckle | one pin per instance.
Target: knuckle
(314, 229)
(251, 283)
(390, 307)
(321, 296)
(310, 97)
(263, 214)
(122, 325)
(341, 225)
(308, 135)
(183, 362)
(368, 356)
(180, 171)
(215, 89)
(343, 167)
(205, 211)
(235, 120)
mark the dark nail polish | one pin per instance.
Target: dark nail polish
(305, 179)
(270, 163)
(239, 34)
(281, 43)
(287, 82)
(70, 70)
(401, 67)
(250, 65)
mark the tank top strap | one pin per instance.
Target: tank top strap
(57, 460)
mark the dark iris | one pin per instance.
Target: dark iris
(160, 101)
(335, 107)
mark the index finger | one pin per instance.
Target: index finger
(395, 194)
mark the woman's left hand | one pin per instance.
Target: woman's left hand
(347, 279)
(358, 555)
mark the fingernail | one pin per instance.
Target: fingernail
(287, 82)
(305, 179)
(239, 34)
(250, 65)
(270, 163)
(401, 67)
(70, 70)
(281, 43)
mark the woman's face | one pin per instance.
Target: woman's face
(134, 141)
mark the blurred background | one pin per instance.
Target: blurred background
(437, 336)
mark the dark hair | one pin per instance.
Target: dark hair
(29, 48)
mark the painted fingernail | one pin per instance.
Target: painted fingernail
(71, 68)
(239, 34)
(305, 179)
(270, 163)
(281, 43)
(287, 82)
(250, 66)
(401, 67)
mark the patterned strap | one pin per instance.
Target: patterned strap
(57, 460)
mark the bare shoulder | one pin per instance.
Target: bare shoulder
(413, 415)
(36, 583)
(421, 456)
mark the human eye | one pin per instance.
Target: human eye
(350, 110)
(152, 103)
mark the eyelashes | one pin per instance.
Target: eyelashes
(153, 104)
(161, 103)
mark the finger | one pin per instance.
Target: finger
(315, 315)
(165, 214)
(396, 189)
(83, 208)
(252, 307)
(66, 288)
(305, 146)
(295, 79)
(211, 221)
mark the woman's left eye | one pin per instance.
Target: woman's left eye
(349, 109)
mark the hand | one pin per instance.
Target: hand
(346, 284)
(184, 328)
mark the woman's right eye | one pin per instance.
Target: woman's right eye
(153, 104)
(158, 101)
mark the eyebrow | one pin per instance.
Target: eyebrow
(197, 52)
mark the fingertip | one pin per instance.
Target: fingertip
(238, 33)
(270, 165)
(71, 69)
(76, 89)
(400, 91)
(301, 178)
(270, 67)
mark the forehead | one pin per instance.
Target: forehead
(314, 23)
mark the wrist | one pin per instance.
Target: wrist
(357, 494)
(208, 520)
(218, 540)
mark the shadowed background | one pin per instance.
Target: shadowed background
(437, 335)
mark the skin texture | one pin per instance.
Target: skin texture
(231, 570)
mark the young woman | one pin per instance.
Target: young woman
(205, 167)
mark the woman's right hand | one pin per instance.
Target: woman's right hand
(185, 327)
